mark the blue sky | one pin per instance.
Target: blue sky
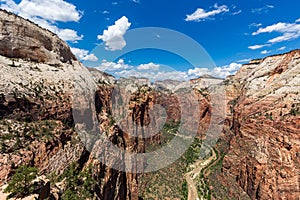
(230, 31)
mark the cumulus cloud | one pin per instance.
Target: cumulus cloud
(151, 71)
(289, 31)
(217, 71)
(157, 76)
(112, 66)
(57, 10)
(114, 35)
(47, 14)
(91, 57)
(298, 20)
(120, 65)
(201, 14)
(82, 54)
(254, 47)
(198, 71)
(68, 35)
(149, 66)
(157, 72)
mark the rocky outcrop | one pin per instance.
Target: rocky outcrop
(36, 114)
(264, 144)
(36, 44)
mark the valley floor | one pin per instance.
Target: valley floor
(194, 176)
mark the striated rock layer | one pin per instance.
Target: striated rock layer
(265, 130)
(20, 38)
(38, 73)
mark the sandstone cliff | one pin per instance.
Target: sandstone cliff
(263, 155)
(36, 44)
(38, 75)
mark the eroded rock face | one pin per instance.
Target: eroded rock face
(264, 149)
(38, 73)
(23, 39)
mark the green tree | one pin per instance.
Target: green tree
(79, 184)
(184, 190)
(88, 182)
(21, 182)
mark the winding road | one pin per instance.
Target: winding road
(196, 170)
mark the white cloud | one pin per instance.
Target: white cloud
(150, 71)
(155, 72)
(265, 52)
(254, 47)
(298, 20)
(281, 48)
(57, 10)
(217, 71)
(155, 76)
(91, 57)
(201, 14)
(82, 54)
(112, 66)
(198, 71)
(263, 10)
(47, 14)
(289, 31)
(226, 70)
(237, 12)
(149, 66)
(105, 12)
(68, 35)
(114, 35)
(275, 27)
(255, 25)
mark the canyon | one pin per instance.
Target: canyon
(47, 121)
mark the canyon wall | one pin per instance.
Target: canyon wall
(38, 78)
(264, 132)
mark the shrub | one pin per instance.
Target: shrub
(79, 185)
(184, 189)
(293, 111)
(21, 182)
